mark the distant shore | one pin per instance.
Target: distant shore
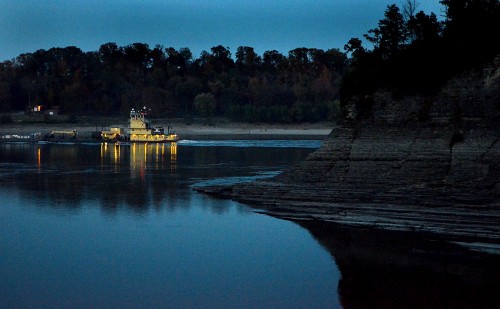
(226, 131)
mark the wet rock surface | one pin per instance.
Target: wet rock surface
(408, 179)
(397, 171)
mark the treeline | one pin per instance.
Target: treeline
(302, 86)
(413, 53)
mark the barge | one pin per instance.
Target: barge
(139, 130)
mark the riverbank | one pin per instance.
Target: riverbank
(417, 164)
(225, 131)
(405, 180)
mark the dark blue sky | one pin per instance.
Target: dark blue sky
(29, 25)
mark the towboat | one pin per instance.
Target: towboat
(140, 130)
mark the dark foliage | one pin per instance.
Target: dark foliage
(114, 79)
(415, 53)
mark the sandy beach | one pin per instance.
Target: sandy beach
(197, 131)
(247, 131)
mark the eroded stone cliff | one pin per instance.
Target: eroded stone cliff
(430, 165)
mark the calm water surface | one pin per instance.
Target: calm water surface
(104, 226)
(85, 226)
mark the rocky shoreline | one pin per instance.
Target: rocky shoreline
(425, 165)
(408, 180)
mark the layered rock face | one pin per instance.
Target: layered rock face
(397, 172)
(380, 162)
(407, 180)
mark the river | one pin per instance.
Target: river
(100, 225)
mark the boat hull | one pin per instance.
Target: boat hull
(154, 138)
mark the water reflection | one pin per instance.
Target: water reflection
(133, 176)
(39, 157)
(401, 270)
(144, 156)
(140, 157)
(378, 270)
(81, 227)
(173, 155)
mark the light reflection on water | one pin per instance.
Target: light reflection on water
(101, 225)
(104, 225)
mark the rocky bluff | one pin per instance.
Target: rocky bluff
(419, 164)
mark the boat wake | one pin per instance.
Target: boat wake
(253, 143)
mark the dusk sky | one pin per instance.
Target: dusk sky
(29, 25)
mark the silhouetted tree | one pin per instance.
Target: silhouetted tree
(247, 59)
(272, 60)
(471, 32)
(390, 35)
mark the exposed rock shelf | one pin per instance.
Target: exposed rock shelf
(427, 165)
(404, 180)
